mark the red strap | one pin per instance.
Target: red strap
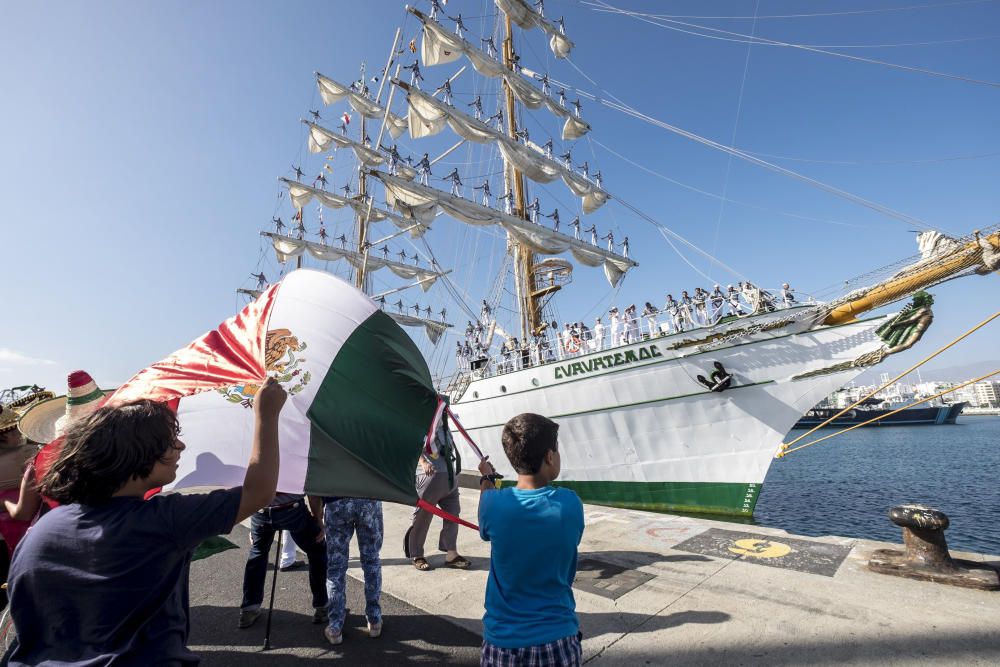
(424, 505)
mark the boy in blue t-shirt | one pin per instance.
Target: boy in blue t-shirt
(534, 530)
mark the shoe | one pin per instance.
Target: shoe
(374, 629)
(248, 617)
(296, 565)
(320, 615)
(334, 639)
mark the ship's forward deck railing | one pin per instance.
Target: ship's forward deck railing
(553, 348)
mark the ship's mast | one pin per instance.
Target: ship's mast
(524, 258)
(361, 226)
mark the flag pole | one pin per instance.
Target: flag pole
(274, 583)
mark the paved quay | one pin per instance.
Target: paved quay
(651, 589)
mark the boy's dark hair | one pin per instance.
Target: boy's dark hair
(102, 452)
(526, 439)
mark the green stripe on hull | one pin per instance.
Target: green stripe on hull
(731, 499)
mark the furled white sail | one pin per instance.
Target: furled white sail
(527, 18)
(428, 116)
(331, 92)
(301, 194)
(439, 46)
(321, 139)
(433, 328)
(402, 194)
(287, 247)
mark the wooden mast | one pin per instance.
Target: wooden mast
(524, 258)
(361, 227)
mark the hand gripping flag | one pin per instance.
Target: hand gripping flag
(360, 396)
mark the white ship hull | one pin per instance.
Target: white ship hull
(637, 429)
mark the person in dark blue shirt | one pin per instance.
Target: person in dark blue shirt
(534, 530)
(103, 578)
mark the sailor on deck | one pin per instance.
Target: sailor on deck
(700, 311)
(787, 295)
(456, 182)
(631, 324)
(684, 315)
(598, 334)
(734, 301)
(649, 312)
(479, 330)
(751, 296)
(469, 329)
(459, 355)
(616, 329)
(717, 300)
(485, 311)
(672, 310)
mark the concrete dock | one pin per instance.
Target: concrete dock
(651, 589)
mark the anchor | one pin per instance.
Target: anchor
(718, 380)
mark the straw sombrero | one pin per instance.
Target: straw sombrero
(11, 412)
(47, 420)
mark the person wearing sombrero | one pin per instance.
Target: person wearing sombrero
(15, 452)
(44, 422)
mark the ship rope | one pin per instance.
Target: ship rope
(785, 452)
(786, 448)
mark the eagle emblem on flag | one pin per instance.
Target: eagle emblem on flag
(281, 363)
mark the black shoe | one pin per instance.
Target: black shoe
(248, 617)
(297, 565)
(320, 615)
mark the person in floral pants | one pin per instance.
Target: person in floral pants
(342, 517)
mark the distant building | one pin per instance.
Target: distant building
(987, 394)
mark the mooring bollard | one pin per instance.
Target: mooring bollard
(926, 556)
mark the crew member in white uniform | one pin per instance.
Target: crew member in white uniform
(787, 295)
(670, 308)
(700, 311)
(717, 301)
(615, 328)
(734, 302)
(650, 314)
(598, 334)
(684, 315)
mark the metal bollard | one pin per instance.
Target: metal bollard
(926, 556)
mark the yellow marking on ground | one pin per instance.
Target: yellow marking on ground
(760, 548)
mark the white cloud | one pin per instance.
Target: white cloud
(15, 358)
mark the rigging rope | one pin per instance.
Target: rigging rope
(785, 447)
(844, 13)
(774, 42)
(785, 452)
(619, 105)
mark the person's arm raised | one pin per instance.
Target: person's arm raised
(261, 481)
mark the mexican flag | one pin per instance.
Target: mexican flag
(360, 396)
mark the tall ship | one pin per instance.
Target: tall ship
(681, 408)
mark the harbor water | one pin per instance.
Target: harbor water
(846, 485)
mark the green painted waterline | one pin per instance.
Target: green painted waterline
(720, 498)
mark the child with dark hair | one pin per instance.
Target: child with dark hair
(534, 530)
(103, 578)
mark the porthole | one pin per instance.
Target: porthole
(475, 394)
(534, 381)
(503, 389)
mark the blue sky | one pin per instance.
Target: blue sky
(142, 142)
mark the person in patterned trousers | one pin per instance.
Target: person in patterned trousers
(342, 518)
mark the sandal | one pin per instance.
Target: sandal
(459, 563)
(422, 564)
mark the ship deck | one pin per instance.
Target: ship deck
(651, 589)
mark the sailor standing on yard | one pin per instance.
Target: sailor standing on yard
(507, 200)
(485, 187)
(575, 224)
(615, 328)
(456, 182)
(533, 208)
(424, 169)
(477, 107)
(554, 217)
